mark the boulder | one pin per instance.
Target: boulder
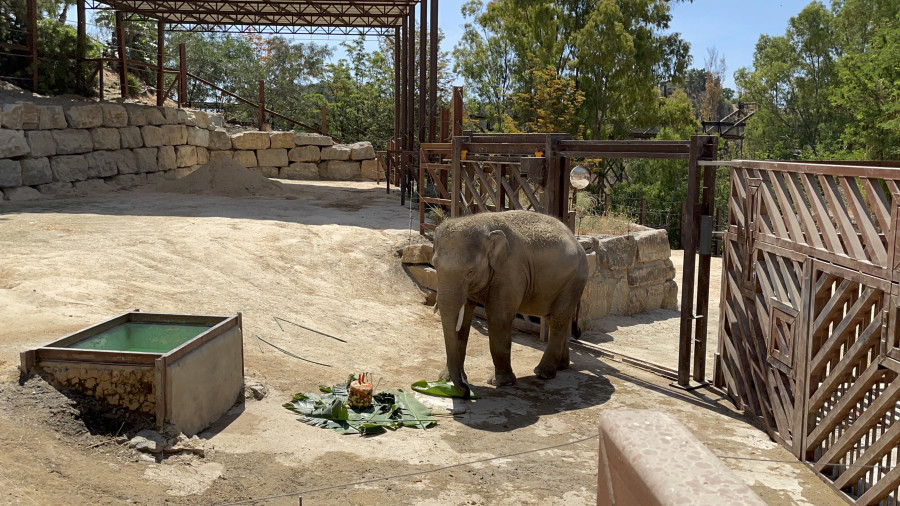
(311, 139)
(216, 120)
(424, 275)
(13, 143)
(69, 168)
(148, 441)
(173, 135)
(202, 155)
(92, 187)
(41, 142)
(654, 273)
(57, 189)
(652, 245)
(36, 171)
(336, 152)
(417, 254)
(21, 194)
(130, 137)
(152, 136)
(125, 161)
(219, 140)
(21, 116)
(305, 154)
(84, 116)
(339, 170)
(272, 158)
(300, 170)
(251, 140)
(216, 154)
(128, 180)
(371, 169)
(52, 117)
(171, 115)
(670, 295)
(604, 295)
(246, 158)
(106, 138)
(616, 253)
(185, 156)
(165, 159)
(266, 171)
(155, 115)
(145, 159)
(362, 151)
(198, 137)
(72, 141)
(102, 163)
(137, 115)
(114, 115)
(281, 140)
(10, 173)
(197, 119)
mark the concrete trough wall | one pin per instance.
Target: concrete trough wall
(188, 387)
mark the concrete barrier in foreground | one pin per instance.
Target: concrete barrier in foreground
(648, 457)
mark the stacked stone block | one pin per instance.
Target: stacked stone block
(51, 150)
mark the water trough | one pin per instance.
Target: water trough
(184, 370)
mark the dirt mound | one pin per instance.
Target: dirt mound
(222, 176)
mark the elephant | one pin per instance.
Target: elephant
(510, 262)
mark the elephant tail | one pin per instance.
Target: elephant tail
(576, 327)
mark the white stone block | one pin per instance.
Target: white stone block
(336, 152)
(272, 158)
(13, 143)
(219, 140)
(130, 137)
(202, 155)
(10, 173)
(126, 161)
(251, 140)
(311, 139)
(340, 170)
(185, 156)
(72, 141)
(152, 136)
(57, 189)
(102, 163)
(305, 154)
(52, 117)
(362, 151)
(22, 194)
(246, 158)
(106, 138)
(198, 137)
(165, 159)
(281, 140)
(69, 168)
(300, 170)
(114, 115)
(146, 159)
(36, 171)
(173, 135)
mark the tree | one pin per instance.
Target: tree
(791, 84)
(552, 106)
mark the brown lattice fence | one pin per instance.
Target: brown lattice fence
(808, 339)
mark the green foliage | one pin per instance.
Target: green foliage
(613, 52)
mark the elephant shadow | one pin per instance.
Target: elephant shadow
(583, 385)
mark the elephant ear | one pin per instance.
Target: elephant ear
(498, 248)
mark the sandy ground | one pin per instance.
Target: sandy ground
(322, 257)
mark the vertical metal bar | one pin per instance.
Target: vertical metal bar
(445, 125)
(392, 145)
(456, 179)
(182, 75)
(123, 57)
(643, 216)
(432, 77)
(404, 92)
(160, 62)
(689, 236)
(31, 13)
(423, 66)
(261, 114)
(80, 45)
(707, 206)
(100, 74)
(457, 104)
(411, 100)
(324, 120)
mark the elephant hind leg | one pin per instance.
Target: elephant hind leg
(556, 355)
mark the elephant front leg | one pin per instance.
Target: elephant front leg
(500, 336)
(556, 355)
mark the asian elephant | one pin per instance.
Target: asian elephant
(510, 262)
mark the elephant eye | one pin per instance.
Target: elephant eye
(470, 273)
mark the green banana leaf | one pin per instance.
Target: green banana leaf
(389, 411)
(412, 412)
(440, 388)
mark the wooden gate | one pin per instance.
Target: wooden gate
(808, 340)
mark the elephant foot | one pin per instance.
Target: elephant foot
(445, 375)
(502, 379)
(563, 365)
(543, 372)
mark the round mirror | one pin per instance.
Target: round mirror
(579, 177)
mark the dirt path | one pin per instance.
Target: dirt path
(324, 258)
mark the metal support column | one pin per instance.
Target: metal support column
(432, 76)
(80, 46)
(160, 62)
(423, 64)
(123, 56)
(32, 41)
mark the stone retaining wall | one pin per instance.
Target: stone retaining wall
(628, 274)
(87, 148)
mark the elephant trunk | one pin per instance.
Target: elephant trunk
(456, 335)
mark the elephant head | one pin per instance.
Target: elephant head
(466, 258)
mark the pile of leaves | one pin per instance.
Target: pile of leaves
(389, 411)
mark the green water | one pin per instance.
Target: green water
(143, 337)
